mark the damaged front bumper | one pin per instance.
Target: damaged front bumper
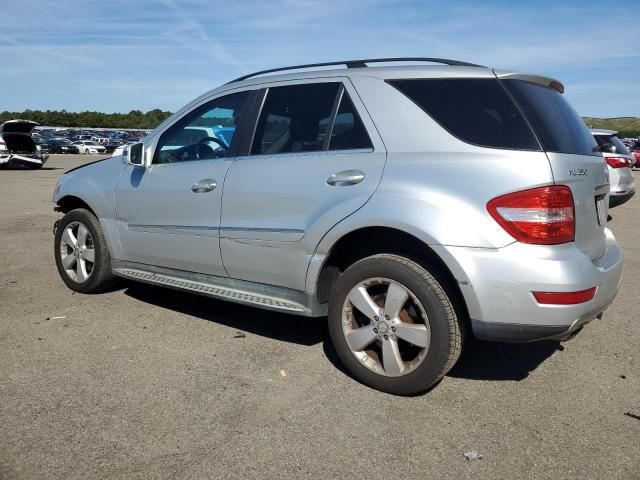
(35, 160)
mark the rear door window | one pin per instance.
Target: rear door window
(558, 126)
(295, 118)
(308, 118)
(477, 111)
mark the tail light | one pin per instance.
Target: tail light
(617, 162)
(541, 216)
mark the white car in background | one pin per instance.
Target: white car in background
(89, 146)
(100, 140)
(619, 161)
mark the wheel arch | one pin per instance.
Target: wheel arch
(71, 202)
(371, 240)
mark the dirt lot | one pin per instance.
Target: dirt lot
(143, 382)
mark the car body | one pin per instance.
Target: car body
(89, 147)
(409, 204)
(18, 148)
(619, 162)
(62, 145)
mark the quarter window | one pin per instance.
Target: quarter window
(477, 111)
(348, 130)
(206, 133)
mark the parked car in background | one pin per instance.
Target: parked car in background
(62, 145)
(112, 145)
(635, 151)
(100, 139)
(17, 147)
(89, 146)
(409, 205)
(619, 161)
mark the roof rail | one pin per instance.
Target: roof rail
(360, 64)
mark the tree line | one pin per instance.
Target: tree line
(63, 118)
(628, 127)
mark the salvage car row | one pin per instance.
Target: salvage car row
(22, 144)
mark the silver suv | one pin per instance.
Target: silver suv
(619, 162)
(409, 204)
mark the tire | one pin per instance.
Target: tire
(426, 317)
(86, 151)
(82, 275)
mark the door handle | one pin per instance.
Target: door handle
(203, 186)
(346, 177)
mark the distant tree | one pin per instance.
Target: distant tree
(87, 119)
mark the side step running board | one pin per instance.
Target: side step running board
(214, 287)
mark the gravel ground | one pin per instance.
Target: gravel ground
(143, 382)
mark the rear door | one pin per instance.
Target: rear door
(314, 159)
(573, 155)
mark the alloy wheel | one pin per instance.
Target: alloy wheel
(386, 327)
(77, 252)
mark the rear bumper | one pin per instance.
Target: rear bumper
(497, 285)
(618, 199)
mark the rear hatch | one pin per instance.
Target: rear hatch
(572, 152)
(17, 136)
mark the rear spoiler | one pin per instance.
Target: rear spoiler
(527, 77)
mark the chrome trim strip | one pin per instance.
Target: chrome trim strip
(202, 231)
(211, 231)
(270, 230)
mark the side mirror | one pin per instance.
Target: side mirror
(135, 154)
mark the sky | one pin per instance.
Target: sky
(117, 56)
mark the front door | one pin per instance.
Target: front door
(169, 213)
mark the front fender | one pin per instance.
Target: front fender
(94, 185)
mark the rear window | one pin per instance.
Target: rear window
(477, 111)
(559, 128)
(612, 144)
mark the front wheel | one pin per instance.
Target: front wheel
(393, 325)
(81, 252)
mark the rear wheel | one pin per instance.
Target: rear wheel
(81, 253)
(393, 325)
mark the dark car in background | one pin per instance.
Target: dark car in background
(112, 144)
(62, 145)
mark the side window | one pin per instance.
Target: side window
(475, 110)
(295, 119)
(348, 130)
(204, 134)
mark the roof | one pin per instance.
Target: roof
(362, 63)
(453, 69)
